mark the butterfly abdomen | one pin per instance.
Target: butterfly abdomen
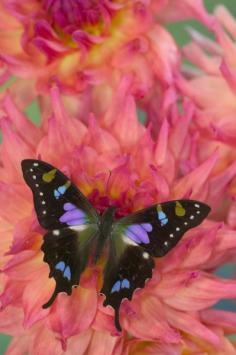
(105, 231)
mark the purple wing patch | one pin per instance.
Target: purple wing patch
(73, 215)
(139, 232)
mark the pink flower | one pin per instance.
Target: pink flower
(215, 116)
(172, 313)
(80, 44)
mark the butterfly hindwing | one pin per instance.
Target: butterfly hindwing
(125, 271)
(58, 202)
(67, 252)
(137, 238)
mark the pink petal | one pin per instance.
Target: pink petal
(194, 181)
(119, 182)
(71, 315)
(36, 293)
(23, 236)
(178, 134)
(18, 345)
(45, 342)
(23, 266)
(164, 54)
(190, 325)
(183, 250)
(11, 321)
(231, 217)
(162, 143)
(79, 344)
(12, 294)
(117, 101)
(223, 319)
(101, 139)
(201, 292)
(14, 202)
(21, 122)
(104, 344)
(14, 149)
(147, 320)
(126, 126)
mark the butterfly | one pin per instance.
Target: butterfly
(76, 234)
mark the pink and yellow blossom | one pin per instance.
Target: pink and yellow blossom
(81, 44)
(113, 159)
(215, 114)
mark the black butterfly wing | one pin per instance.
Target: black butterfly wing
(159, 228)
(138, 237)
(71, 221)
(127, 268)
(67, 253)
(56, 198)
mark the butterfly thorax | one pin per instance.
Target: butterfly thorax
(106, 222)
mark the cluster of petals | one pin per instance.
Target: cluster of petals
(114, 159)
(214, 73)
(81, 44)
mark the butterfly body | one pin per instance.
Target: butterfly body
(76, 233)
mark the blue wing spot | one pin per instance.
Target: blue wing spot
(116, 287)
(125, 284)
(162, 218)
(60, 266)
(56, 194)
(61, 190)
(67, 273)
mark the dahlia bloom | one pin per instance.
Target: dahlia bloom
(113, 159)
(215, 65)
(91, 44)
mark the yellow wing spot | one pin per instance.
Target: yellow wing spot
(179, 210)
(159, 209)
(67, 184)
(49, 176)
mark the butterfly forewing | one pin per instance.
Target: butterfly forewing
(58, 202)
(71, 221)
(158, 228)
(137, 238)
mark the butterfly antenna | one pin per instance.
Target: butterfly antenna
(110, 172)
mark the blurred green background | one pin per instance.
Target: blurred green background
(179, 32)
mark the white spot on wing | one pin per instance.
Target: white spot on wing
(171, 235)
(145, 255)
(178, 229)
(197, 205)
(37, 185)
(79, 228)
(166, 244)
(191, 217)
(185, 223)
(198, 212)
(36, 164)
(43, 202)
(31, 170)
(128, 240)
(41, 193)
(56, 232)
(34, 177)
